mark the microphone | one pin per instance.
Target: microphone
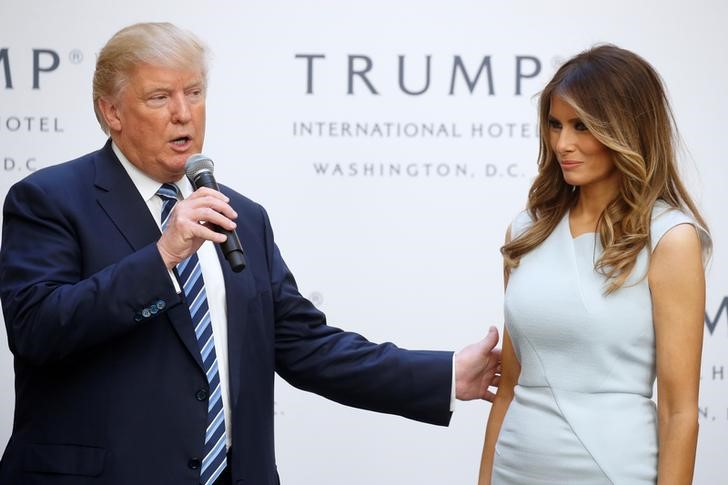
(199, 171)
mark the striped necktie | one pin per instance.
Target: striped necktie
(190, 273)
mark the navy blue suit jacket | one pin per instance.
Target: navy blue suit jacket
(107, 396)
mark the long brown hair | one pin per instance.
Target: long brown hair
(621, 100)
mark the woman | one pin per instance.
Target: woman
(605, 290)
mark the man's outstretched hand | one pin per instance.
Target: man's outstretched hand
(477, 367)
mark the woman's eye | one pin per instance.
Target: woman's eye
(554, 123)
(579, 126)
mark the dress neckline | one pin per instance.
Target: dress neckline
(592, 233)
(567, 217)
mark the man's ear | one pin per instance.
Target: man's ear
(110, 113)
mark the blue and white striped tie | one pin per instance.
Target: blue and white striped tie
(190, 274)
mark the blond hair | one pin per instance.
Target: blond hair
(621, 100)
(158, 44)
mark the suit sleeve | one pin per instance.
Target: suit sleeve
(347, 368)
(52, 309)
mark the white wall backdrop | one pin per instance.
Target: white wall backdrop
(393, 229)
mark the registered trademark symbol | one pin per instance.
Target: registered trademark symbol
(75, 56)
(316, 298)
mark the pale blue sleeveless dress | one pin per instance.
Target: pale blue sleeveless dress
(582, 411)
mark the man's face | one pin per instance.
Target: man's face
(158, 119)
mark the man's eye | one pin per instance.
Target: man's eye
(157, 100)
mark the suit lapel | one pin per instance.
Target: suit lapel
(121, 201)
(239, 288)
(240, 292)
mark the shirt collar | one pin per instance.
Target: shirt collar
(146, 185)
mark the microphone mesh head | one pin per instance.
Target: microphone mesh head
(196, 164)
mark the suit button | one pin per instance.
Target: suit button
(161, 304)
(146, 313)
(138, 317)
(201, 395)
(194, 463)
(153, 309)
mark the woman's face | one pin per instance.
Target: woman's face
(584, 160)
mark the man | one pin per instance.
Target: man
(141, 358)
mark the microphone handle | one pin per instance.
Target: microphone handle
(231, 248)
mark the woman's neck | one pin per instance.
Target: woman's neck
(589, 206)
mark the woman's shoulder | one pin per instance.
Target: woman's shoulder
(520, 223)
(666, 217)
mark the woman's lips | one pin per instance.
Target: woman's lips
(567, 164)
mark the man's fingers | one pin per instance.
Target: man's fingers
(491, 340)
(493, 363)
(208, 202)
(209, 215)
(202, 208)
(208, 234)
(193, 221)
(205, 191)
